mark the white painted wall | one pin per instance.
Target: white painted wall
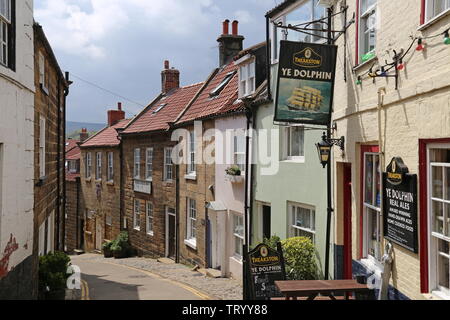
(231, 195)
(17, 140)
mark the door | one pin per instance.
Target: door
(266, 221)
(98, 234)
(347, 187)
(171, 222)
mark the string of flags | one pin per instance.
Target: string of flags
(398, 59)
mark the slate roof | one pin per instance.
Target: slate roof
(108, 137)
(226, 101)
(170, 108)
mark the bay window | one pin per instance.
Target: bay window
(439, 208)
(372, 205)
(367, 29)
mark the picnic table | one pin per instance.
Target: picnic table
(325, 288)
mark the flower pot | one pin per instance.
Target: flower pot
(118, 254)
(107, 253)
(234, 179)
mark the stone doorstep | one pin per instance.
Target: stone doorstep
(211, 273)
(78, 252)
(165, 260)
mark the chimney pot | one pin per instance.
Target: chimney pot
(166, 64)
(119, 106)
(226, 27)
(235, 27)
(84, 135)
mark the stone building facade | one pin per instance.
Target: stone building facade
(100, 176)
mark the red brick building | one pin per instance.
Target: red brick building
(150, 178)
(101, 178)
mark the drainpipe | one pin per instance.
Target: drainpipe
(66, 93)
(59, 243)
(177, 214)
(121, 183)
(268, 59)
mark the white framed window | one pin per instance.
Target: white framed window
(5, 30)
(238, 235)
(302, 221)
(372, 206)
(435, 8)
(137, 215)
(137, 163)
(149, 218)
(294, 143)
(98, 168)
(50, 232)
(305, 11)
(191, 221)
(439, 219)
(42, 146)
(247, 79)
(239, 145)
(192, 148)
(367, 29)
(149, 164)
(168, 166)
(110, 166)
(72, 166)
(88, 165)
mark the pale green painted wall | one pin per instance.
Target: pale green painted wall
(303, 183)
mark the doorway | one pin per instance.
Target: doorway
(347, 194)
(266, 221)
(171, 223)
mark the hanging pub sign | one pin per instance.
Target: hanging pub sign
(265, 267)
(305, 83)
(400, 205)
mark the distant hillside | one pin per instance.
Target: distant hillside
(76, 126)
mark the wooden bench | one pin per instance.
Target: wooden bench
(321, 298)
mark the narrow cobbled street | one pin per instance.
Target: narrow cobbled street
(148, 279)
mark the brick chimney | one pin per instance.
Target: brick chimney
(84, 135)
(229, 44)
(170, 78)
(115, 116)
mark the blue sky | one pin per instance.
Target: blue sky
(120, 45)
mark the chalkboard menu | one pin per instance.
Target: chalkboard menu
(400, 205)
(265, 267)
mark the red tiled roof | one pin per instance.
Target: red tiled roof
(70, 144)
(71, 176)
(226, 101)
(107, 137)
(175, 102)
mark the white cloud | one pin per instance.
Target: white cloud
(243, 16)
(79, 27)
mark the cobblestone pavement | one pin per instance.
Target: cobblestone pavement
(217, 289)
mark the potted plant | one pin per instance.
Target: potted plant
(53, 276)
(107, 252)
(234, 174)
(120, 247)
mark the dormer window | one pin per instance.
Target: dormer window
(247, 79)
(222, 85)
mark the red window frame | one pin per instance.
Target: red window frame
(364, 149)
(422, 11)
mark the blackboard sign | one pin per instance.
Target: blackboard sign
(265, 267)
(400, 205)
(305, 83)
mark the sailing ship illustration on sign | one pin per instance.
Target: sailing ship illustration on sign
(305, 99)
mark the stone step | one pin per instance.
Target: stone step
(213, 273)
(165, 260)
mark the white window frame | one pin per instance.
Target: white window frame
(247, 78)
(238, 237)
(42, 147)
(191, 221)
(192, 167)
(88, 165)
(5, 24)
(137, 215)
(150, 218)
(293, 210)
(149, 164)
(98, 166)
(168, 167)
(433, 236)
(50, 232)
(280, 34)
(110, 174)
(430, 14)
(239, 134)
(362, 17)
(137, 164)
(287, 146)
(72, 166)
(377, 209)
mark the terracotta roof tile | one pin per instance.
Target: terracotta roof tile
(173, 104)
(71, 176)
(106, 137)
(207, 106)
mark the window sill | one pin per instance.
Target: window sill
(151, 234)
(137, 229)
(191, 176)
(236, 259)
(294, 160)
(434, 20)
(191, 243)
(110, 183)
(88, 179)
(439, 295)
(364, 64)
(98, 180)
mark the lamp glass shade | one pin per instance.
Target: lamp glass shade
(324, 150)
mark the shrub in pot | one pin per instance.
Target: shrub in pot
(233, 171)
(107, 253)
(53, 276)
(120, 247)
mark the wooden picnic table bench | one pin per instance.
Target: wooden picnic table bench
(311, 289)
